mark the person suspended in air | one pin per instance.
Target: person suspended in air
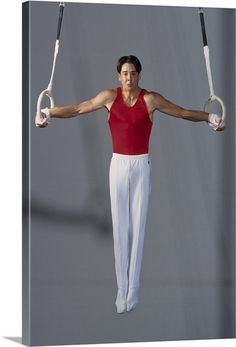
(130, 116)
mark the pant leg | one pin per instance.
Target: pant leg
(139, 198)
(119, 194)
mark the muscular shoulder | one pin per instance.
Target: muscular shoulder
(108, 95)
(153, 99)
(103, 98)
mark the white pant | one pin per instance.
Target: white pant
(129, 191)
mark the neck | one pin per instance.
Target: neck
(131, 91)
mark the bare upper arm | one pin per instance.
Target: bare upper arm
(153, 101)
(161, 104)
(102, 99)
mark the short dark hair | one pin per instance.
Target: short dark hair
(130, 59)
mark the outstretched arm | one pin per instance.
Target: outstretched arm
(73, 110)
(96, 103)
(167, 107)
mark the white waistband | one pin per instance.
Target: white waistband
(130, 156)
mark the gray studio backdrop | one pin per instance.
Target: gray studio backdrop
(187, 279)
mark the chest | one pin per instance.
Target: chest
(129, 114)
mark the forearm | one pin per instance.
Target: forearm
(195, 116)
(68, 111)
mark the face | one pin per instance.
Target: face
(128, 76)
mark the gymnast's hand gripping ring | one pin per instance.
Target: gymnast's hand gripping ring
(220, 101)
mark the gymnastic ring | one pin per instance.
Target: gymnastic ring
(45, 92)
(48, 93)
(220, 101)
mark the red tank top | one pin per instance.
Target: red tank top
(130, 126)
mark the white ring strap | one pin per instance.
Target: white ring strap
(212, 97)
(208, 68)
